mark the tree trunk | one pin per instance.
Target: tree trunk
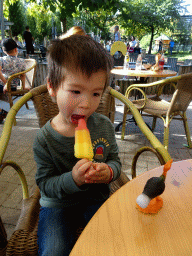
(64, 24)
(151, 41)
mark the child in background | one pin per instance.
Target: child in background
(72, 190)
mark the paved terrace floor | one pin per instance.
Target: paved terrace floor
(20, 151)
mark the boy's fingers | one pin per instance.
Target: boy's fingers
(83, 168)
(82, 162)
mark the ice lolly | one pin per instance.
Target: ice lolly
(83, 146)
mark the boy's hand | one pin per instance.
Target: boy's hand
(79, 171)
(100, 173)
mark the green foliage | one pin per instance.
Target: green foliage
(145, 41)
(16, 14)
(66, 9)
(39, 21)
(140, 17)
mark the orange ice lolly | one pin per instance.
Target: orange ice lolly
(83, 146)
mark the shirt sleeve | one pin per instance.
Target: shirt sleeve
(113, 159)
(49, 181)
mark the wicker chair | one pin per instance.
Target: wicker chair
(173, 63)
(184, 69)
(24, 239)
(158, 108)
(10, 96)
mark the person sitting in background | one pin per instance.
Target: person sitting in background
(10, 65)
(19, 46)
(137, 49)
(133, 42)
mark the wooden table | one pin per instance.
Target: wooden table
(143, 73)
(118, 228)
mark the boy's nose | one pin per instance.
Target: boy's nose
(85, 101)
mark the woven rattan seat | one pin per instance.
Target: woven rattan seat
(159, 108)
(24, 239)
(153, 105)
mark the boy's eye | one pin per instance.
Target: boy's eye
(96, 94)
(75, 92)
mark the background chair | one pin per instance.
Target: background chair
(184, 69)
(188, 62)
(133, 57)
(159, 108)
(29, 72)
(173, 63)
(118, 51)
(24, 239)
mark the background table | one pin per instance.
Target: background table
(143, 73)
(118, 228)
(151, 76)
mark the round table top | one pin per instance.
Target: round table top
(119, 228)
(143, 73)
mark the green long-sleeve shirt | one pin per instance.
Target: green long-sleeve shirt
(54, 155)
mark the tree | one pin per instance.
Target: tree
(67, 8)
(16, 14)
(99, 20)
(149, 16)
(39, 21)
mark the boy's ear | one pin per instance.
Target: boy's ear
(50, 90)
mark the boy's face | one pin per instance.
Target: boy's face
(78, 96)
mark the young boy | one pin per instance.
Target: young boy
(10, 65)
(72, 190)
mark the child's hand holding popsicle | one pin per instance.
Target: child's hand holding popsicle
(85, 171)
(79, 171)
(98, 173)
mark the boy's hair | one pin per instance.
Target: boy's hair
(79, 53)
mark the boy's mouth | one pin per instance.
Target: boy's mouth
(75, 118)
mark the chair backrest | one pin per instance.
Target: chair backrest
(29, 81)
(184, 69)
(150, 58)
(133, 57)
(47, 109)
(183, 94)
(41, 74)
(188, 62)
(118, 46)
(173, 63)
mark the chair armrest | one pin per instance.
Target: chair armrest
(24, 239)
(10, 79)
(161, 84)
(17, 75)
(5, 137)
(143, 127)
